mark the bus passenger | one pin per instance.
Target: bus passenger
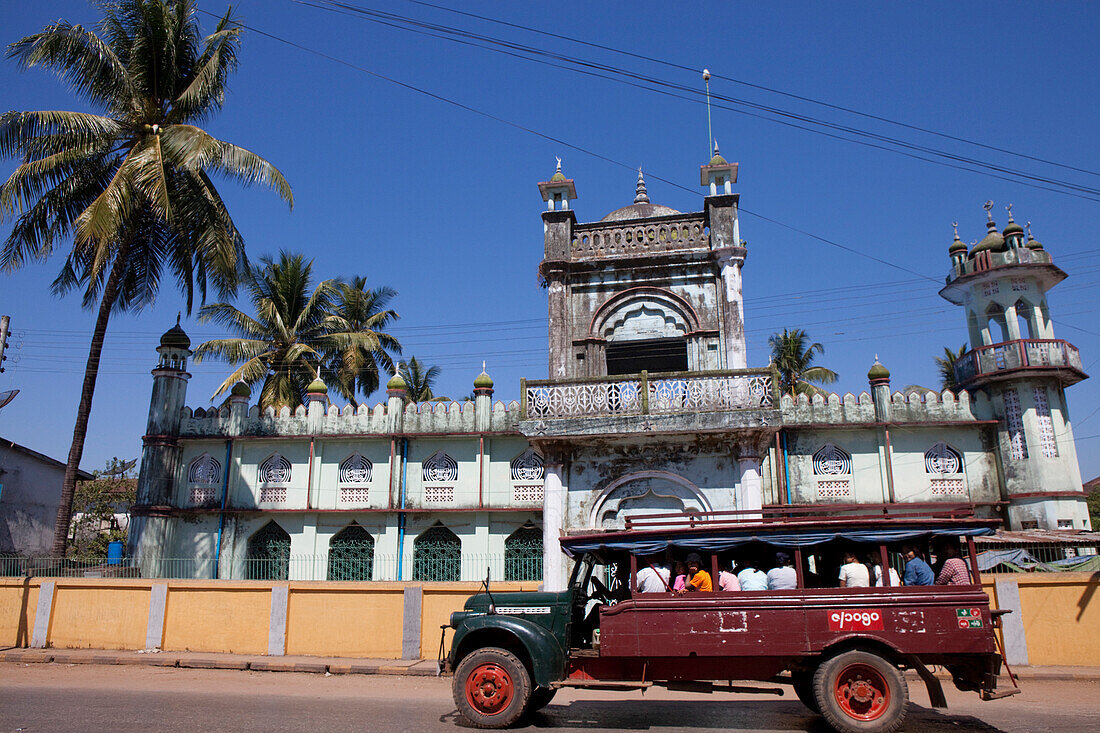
(698, 579)
(783, 576)
(917, 571)
(654, 577)
(954, 570)
(680, 574)
(853, 573)
(894, 579)
(727, 579)
(752, 579)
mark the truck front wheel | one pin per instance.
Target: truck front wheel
(491, 688)
(860, 692)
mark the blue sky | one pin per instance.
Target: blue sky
(441, 203)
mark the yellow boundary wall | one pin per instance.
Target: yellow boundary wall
(1060, 615)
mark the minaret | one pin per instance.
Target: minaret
(558, 221)
(1017, 360)
(729, 252)
(160, 444)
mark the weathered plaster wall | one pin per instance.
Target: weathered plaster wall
(30, 493)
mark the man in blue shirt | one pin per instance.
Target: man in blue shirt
(917, 571)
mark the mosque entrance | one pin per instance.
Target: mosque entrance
(654, 355)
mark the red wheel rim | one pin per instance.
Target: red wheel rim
(862, 692)
(489, 688)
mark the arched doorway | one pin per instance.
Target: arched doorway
(351, 554)
(437, 555)
(268, 556)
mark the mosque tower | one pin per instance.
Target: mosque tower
(1017, 360)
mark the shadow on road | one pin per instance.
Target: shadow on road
(747, 715)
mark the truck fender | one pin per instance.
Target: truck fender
(543, 655)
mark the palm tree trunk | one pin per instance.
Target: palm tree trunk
(91, 371)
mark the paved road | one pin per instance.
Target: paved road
(55, 697)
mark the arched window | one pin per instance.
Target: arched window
(945, 464)
(1025, 320)
(268, 555)
(523, 554)
(527, 476)
(437, 555)
(354, 479)
(274, 476)
(203, 477)
(351, 554)
(439, 473)
(995, 316)
(834, 465)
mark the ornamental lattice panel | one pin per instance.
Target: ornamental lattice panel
(203, 494)
(354, 494)
(834, 489)
(440, 467)
(272, 494)
(708, 394)
(584, 399)
(204, 470)
(527, 493)
(1046, 427)
(832, 461)
(1015, 423)
(275, 469)
(947, 487)
(439, 494)
(355, 470)
(527, 467)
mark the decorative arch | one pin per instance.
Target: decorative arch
(440, 468)
(268, 554)
(527, 467)
(351, 554)
(437, 555)
(832, 460)
(204, 471)
(621, 304)
(355, 470)
(995, 314)
(942, 459)
(523, 553)
(275, 470)
(645, 492)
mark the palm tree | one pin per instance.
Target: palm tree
(794, 357)
(946, 366)
(130, 185)
(362, 310)
(293, 333)
(418, 380)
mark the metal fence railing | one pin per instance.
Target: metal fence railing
(376, 567)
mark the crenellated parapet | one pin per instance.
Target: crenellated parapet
(916, 406)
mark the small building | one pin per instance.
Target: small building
(30, 492)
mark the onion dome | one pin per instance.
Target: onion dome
(240, 389)
(483, 380)
(175, 337)
(992, 241)
(396, 382)
(717, 159)
(317, 387)
(957, 245)
(1032, 242)
(641, 208)
(878, 371)
(1013, 227)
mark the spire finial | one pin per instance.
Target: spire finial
(482, 365)
(955, 225)
(559, 163)
(716, 146)
(1028, 228)
(876, 358)
(1009, 210)
(640, 195)
(988, 206)
(178, 314)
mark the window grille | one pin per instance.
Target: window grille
(527, 467)
(272, 494)
(1065, 524)
(942, 458)
(834, 489)
(1015, 423)
(1019, 284)
(1046, 427)
(832, 461)
(268, 556)
(991, 288)
(947, 486)
(351, 554)
(203, 494)
(1029, 524)
(356, 469)
(204, 470)
(440, 467)
(275, 470)
(354, 495)
(439, 494)
(527, 493)
(437, 555)
(523, 554)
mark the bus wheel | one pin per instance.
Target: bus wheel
(859, 691)
(803, 684)
(491, 688)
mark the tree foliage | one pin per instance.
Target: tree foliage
(97, 505)
(793, 356)
(946, 366)
(419, 380)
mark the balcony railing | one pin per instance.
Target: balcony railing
(649, 394)
(1023, 353)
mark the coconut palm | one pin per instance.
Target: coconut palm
(419, 380)
(946, 366)
(129, 185)
(293, 334)
(793, 356)
(362, 310)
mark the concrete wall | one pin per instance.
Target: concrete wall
(377, 620)
(28, 502)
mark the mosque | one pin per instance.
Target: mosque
(650, 407)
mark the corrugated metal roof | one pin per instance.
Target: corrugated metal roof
(1075, 537)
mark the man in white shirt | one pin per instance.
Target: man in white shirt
(653, 577)
(752, 579)
(783, 576)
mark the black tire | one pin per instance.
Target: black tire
(540, 698)
(803, 684)
(491, 688)
(860, 692)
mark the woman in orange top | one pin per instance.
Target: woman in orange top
(699, 579)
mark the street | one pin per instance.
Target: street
(58, 697)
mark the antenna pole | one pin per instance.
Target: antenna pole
(710, 135)
(5, 322)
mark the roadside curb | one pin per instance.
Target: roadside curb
(190, 660)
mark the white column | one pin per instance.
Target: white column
(553, 512)
(1012, 323)
(734, 335)
(750, 489)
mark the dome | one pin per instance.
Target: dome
(1034, 243)
(317, 387)
(240, 389)
(993, 241)
(639, 211)
(957, 246)
(483, 380)
(396, 382)
(175, 337)
(878, 371)
(1012, 228)
(558, 176)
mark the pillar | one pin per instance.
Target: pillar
(553, 516)
(750, 484)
